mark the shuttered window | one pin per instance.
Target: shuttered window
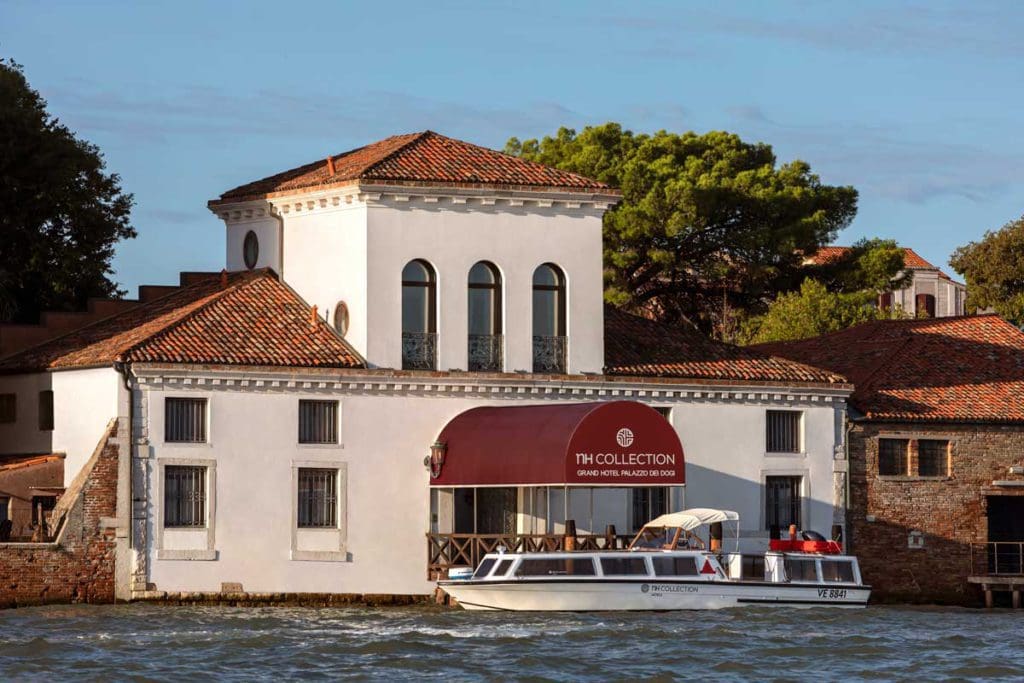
(932, 458)
(892, 457)
(184, 496)
(46, 410)
(318, 498)
(783, 431)
(8, 408)
(783, 502)
(318, 422)
(185, 420)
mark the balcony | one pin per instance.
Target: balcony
(419, 351)
(485, 352)
(549, 354)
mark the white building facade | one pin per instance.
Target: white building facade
(286, 476)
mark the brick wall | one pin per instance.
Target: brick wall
(949, 512)
(79, 566)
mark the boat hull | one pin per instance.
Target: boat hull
(645, 595)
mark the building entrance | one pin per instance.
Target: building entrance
(1005, 534)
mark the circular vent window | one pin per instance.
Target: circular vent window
(341, 318)
(251, 250)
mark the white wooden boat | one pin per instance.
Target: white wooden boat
(666, 568)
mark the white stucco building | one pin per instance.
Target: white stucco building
(289, 416)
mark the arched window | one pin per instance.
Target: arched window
(419, 316)
(549, 342)
(485, 338)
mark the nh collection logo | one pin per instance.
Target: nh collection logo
(624, 437)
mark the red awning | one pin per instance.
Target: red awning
(617, 443)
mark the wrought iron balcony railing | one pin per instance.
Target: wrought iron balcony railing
(419, 351)
(549, 354)
(485, 352)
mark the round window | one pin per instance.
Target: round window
(341, 318)
(251, 250)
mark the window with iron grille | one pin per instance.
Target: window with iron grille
(185, 420)
(184, 496)
(318, 421)
(45, 410)
(8, 408)
(892, 457)
(782, 502)
(318, 498)
(783, 431)
(932, 458)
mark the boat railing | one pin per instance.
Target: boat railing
(445, 551)
(998, 557)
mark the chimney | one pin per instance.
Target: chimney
(330, 166)
(313, 318)
(224, 278)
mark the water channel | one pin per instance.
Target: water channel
(145, 642)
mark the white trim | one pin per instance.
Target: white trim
(341, 484)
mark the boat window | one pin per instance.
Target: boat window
(503, 567)
(562, 566)
(623, 566)
(674, 566)
(801, 570)
(752, 567)
(656, 537)
(840, 571)
(485, 568)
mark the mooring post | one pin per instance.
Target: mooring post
(1016, 598)
(988, 597)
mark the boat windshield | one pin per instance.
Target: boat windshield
(656, 537)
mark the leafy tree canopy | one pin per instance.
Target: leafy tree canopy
(994, 270)
(812, 311)
(708, 223)
(870, 265)
(60, 213)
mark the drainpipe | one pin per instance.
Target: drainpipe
(125, 369)
(848, 426)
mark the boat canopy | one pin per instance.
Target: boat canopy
(693, 518)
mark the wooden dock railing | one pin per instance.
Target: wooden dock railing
(445, 551)
(999, 558)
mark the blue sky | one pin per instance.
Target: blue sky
(917, 105)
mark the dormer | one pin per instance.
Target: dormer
(429, 253)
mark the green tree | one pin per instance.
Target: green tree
(811, 311)
(871, 265)
(60, 213)
(708, 224)
(994, 270)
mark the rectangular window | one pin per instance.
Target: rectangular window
(318, 421)
(783, 502)
(674, 566)
(556, 566)
(318, 498)
(838, 571)
(801, 570)
(184, 496)
(45, 410)
(623, 566)
(648, 503)
(5, 504)
(752, 567)
(932, 458)
(8, 408)
(892, 456)
(185, 420)
(783, 431)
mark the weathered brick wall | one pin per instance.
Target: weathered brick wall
(949, 511)
(80, 566)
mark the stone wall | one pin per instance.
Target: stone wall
(79, 565)
(891, 515)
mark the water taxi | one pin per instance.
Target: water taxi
(668, 566)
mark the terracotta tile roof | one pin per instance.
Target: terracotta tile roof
(418, 158)
(17, 462)
(828, 255)
(642, 347)
(249, 318)
(967, 369)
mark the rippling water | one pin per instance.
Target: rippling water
(154, 642)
